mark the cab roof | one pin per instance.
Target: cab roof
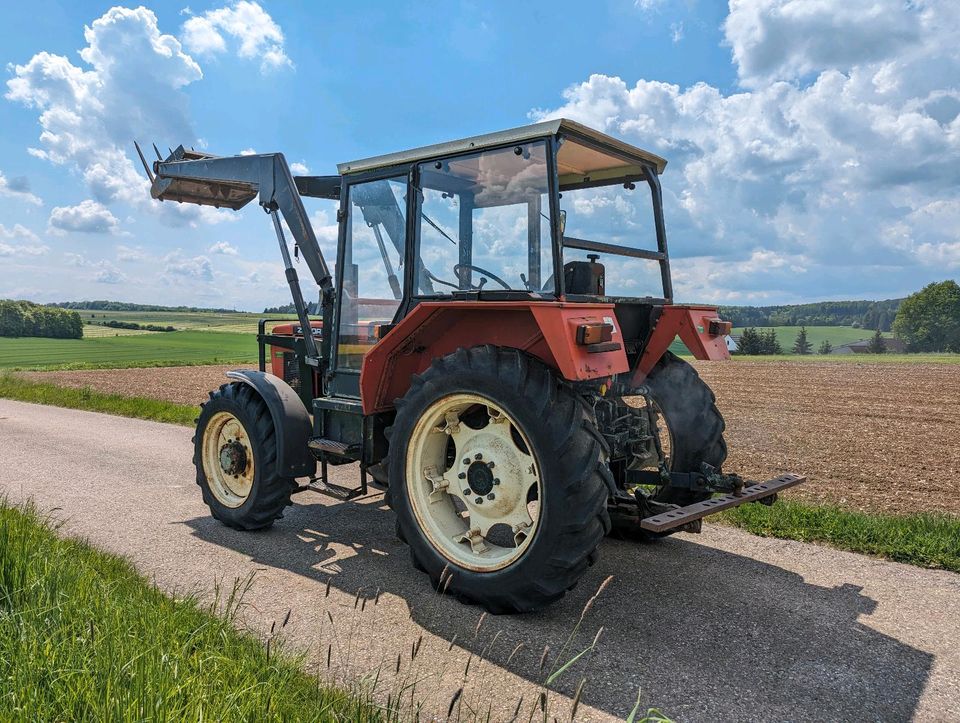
(585, 151)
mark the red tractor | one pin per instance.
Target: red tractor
(508, 382)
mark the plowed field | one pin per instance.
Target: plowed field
(880, 437)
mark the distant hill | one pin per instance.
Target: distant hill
(102, 305)
(865, 314)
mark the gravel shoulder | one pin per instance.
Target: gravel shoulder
(718, 626)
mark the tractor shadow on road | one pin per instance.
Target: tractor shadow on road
(704, 633)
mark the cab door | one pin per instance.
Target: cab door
(370, 273)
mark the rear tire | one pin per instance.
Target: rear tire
(562, 456)
(248, 494)
(694, 423)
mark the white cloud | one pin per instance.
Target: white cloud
(783, 39)
(248, 24)
(196, 268)
(853, 168)
(676, 31)
(21, 250)
(131, 253)
(248, 152)
(87, 216)
(222, 247)
(19, 231)
(648, 5)
(131, 86)
(299, 168)
(107, 273)
(19, 189)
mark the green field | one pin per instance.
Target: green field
(837, 335)
(240, 322)
(176, 348)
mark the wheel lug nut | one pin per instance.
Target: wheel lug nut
(490, 465)
(496, 480)
(479, 500)
(466, 461)
(491, 496)
(462, 475)
(466, 492)
(478, 456)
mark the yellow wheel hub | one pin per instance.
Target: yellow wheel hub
(228, 462)
(473, 482)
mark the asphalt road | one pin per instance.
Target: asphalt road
(722, 625)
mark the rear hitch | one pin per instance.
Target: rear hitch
(756, 492)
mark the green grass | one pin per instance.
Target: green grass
(925, 540)
(84, 637)
(13, 387)
(178, 348)
(856, 358)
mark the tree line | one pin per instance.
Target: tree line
(133, 325)
(313, 309)
(102, 305)
(24, 318)
(927, 321)
(858, 314)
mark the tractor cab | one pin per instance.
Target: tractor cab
(492, 218)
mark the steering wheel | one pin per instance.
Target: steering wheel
(459, 267)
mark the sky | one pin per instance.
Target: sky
(813, 145)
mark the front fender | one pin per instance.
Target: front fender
(290, 420)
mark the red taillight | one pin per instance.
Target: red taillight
(594, 333)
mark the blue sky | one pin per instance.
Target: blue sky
(814, 146)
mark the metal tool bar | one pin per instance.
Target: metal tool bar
(683, 515)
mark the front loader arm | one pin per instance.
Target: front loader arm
(234, 181)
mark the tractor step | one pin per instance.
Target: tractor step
(331, 446)
(330, 489)
(685, 515)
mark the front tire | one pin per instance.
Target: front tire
(490, 438)
(235, 454)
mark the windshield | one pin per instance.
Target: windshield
(484, 222)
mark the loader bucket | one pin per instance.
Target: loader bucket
(217, 192)
(225, 194)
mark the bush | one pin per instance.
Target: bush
(24, 318)
(929, 320)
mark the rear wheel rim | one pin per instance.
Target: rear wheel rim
(228, 461)
(473, 482)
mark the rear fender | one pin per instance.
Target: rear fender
(699, 328)
(546, 330)
(290, 420)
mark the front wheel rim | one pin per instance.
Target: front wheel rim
(473, 482)
(227, 457)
